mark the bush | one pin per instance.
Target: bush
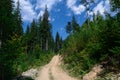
(94, 44)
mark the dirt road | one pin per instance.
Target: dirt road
(52, 71)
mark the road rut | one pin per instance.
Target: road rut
(53, 71)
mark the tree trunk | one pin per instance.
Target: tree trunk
(0, 43)
(1, 38)
(41, 43)
(46, 44)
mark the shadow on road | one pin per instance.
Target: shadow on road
(23, 78)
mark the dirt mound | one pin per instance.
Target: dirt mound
(92, 75)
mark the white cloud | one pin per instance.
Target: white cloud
(60, 0)
(27, 8)
(51, 19)
(102, 7)
(28, 14)
(62, 29)
(42, 3)
(90, 13)
(78, 9)
(99, 8)
(40, 14)
(107, 6)
(69, 14)
(71, 4)
(96, 1)
(57, 10)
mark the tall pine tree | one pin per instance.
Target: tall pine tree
(75, 25)
(72, 26)
(27, 39)
(6, 32)
(39, 33)
(33, 35)
(116, 5)
(57, 42)
(45, 30)
(69, 27)
(6, 21)
(18, 20)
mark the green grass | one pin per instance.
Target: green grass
(27, 61)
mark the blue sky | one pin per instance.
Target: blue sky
(60, 11)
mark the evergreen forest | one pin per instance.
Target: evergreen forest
(97, 41)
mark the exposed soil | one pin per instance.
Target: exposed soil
(53, 71)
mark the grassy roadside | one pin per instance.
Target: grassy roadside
(28, 61)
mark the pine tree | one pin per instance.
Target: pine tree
(57, 42)
(69, 27)
(51, 43)
(33, 35)
(27, 32)
(18, 20)
(39, 33)
(61, 43)
(6, 21)
(6, 33)
(116, 5)
(75, 25)
(72, 26)
(27, 39)
(45, 30)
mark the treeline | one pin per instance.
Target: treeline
(96, 41)
(20, 50)
(38, 36)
